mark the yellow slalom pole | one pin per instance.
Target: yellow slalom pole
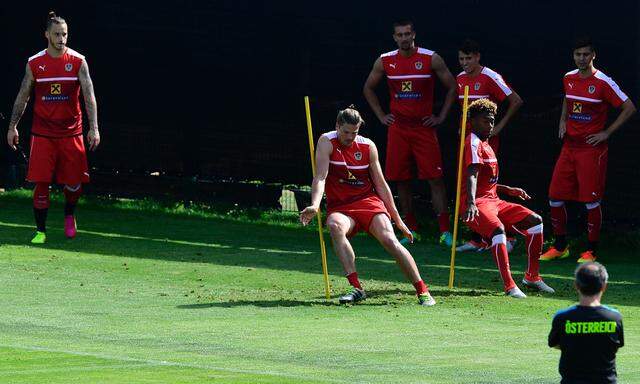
(323, 249)
(465, 107)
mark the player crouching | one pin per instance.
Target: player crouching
(358, 199)
(491, 217)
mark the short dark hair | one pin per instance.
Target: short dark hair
(402, 23)
(349, 115)
(469, 46)
(482, 107)
(54, 19)
(583, 42)
(591, 277)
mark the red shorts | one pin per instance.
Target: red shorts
(362, 212)
(579, 174)
(63, 157)
(496, 213)
(410, 146)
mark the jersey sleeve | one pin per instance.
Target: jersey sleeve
(472, 152)
(499, 89)
(613, 94)
(554, 334)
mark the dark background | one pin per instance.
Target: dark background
(214, 90)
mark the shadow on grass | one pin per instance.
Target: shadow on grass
(161, 236)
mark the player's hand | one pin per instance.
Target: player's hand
(308, 214)
(519, 193)
(405, 230)
(93, 137)
(431, 121)
(471, 213)
(13, 138)
(388, 119)
(597, 138)
(562, 129)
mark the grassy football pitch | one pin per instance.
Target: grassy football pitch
(154, 296)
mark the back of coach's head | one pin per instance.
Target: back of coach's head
(591, 278)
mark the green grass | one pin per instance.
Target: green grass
(164, 294)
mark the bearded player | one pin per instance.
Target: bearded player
(358, 199)
(488, 215)
(57, 74)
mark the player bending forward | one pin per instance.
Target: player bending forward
(358, 199)
(491, 217)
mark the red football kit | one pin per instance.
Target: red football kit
(493, 211)
(488, 84)
(581, 168)
(410, 83)
(57, 147)
(348, 186)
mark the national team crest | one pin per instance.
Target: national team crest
(358, 156)
(68, 67)
(476, 86)
(418, 65)
(592, 89)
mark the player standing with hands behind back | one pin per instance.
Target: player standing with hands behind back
(57, 74)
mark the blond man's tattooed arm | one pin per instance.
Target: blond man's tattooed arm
(13, 138)
(93, 136)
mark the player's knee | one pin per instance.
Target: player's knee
(335, 229)
(389, 240)
(534, 219)
(556, 203)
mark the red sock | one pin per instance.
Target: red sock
(443, 221)
(411, 222)
(534, 240)
(594, 221)
(41, 196)
(420, 287)
(353, 280)
(501, 257)
(558, 218)
(72, 194)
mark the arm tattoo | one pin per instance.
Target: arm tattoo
(90, 103)
(21, 100)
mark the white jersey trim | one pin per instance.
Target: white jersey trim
(349, 166)
(75, 53)
(330, 135)
(461, 73)
(497, 78)
(475, 144)
(45, 79)
(568, 96)
(571, 72)
(612, 84)
(409, 77)
(391, 53)
(41, 53)
(359, 139)
(425, 51)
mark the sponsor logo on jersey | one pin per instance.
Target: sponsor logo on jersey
(577, 107)
(592, 89)
(68, 67)
(357, 156)
(407, 86)
(351, 180)
(41, 67)
(418, 65)
(580, 117)
(55, 98)
(56, 89)
(476, 86)
(392, 65)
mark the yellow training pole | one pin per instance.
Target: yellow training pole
(323, 249)
(465, 107)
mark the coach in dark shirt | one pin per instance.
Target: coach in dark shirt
(588, 334)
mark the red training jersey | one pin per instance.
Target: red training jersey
(480, 152)
(488, 84)
(410, 83)
(588, 102)
(348, 179)
(56, 111)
